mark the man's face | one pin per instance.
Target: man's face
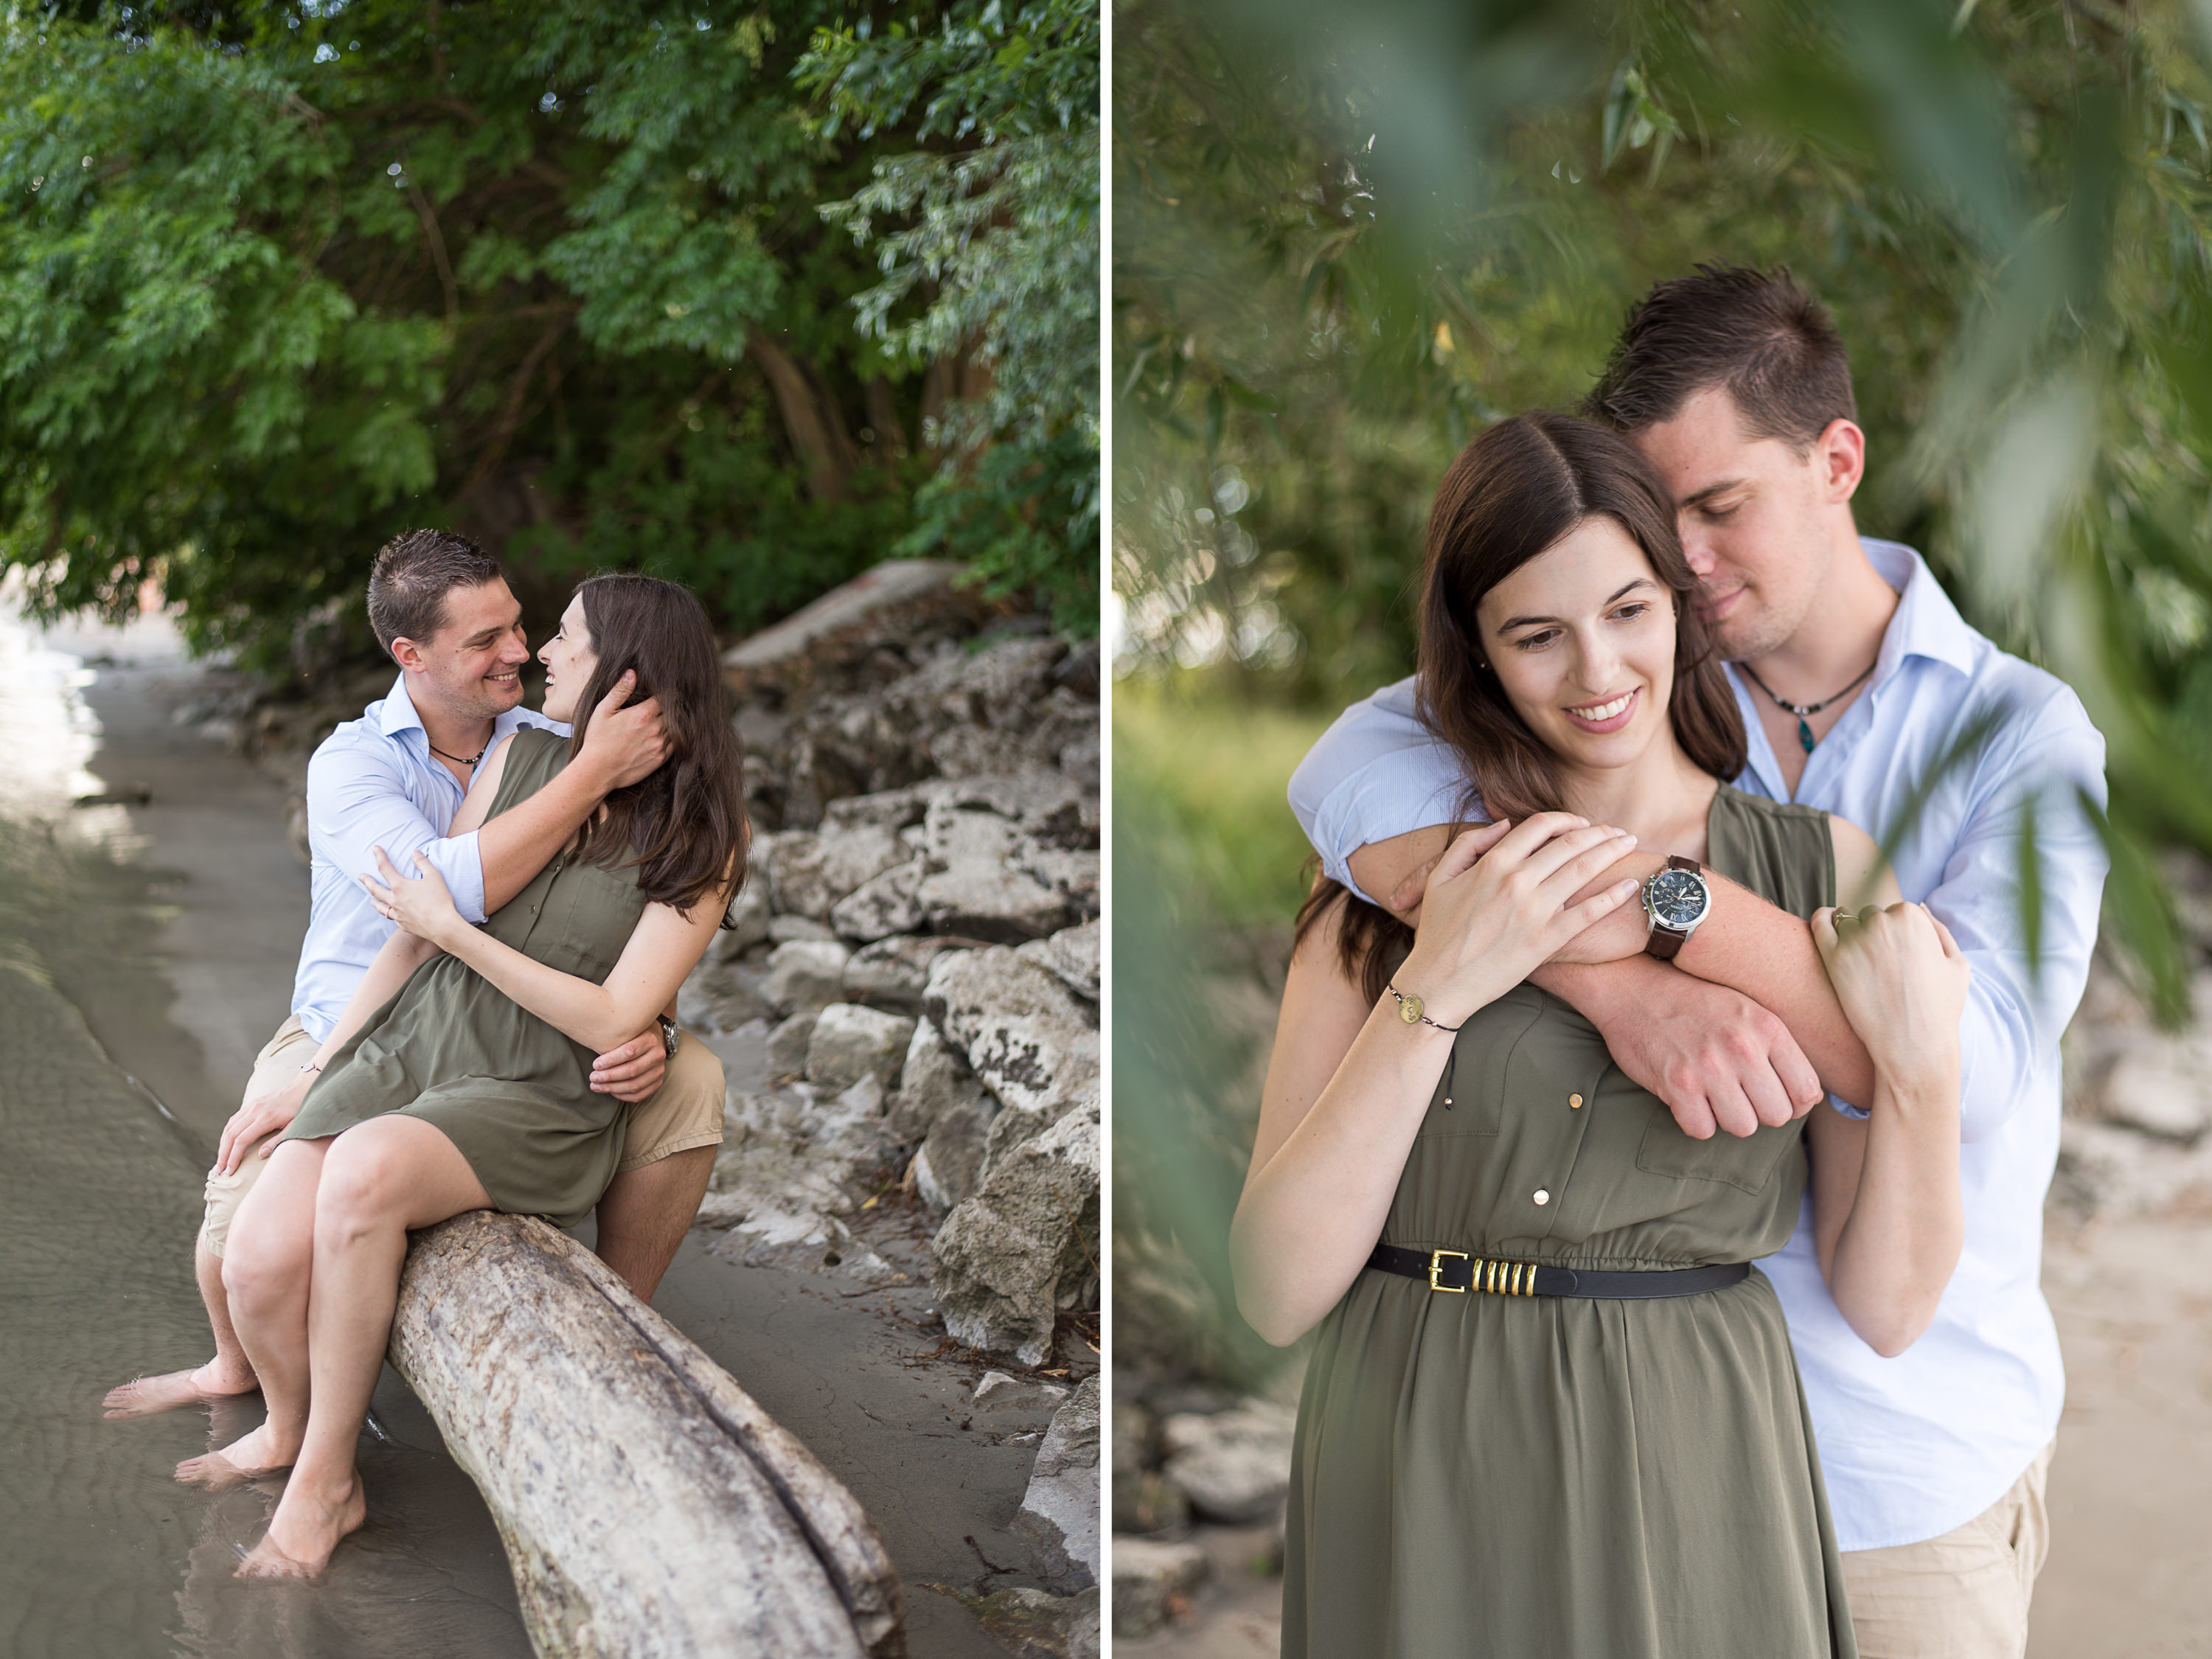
(471, 667)
(1756, 517)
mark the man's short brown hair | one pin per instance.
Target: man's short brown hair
(1756, 332)
(413, 573)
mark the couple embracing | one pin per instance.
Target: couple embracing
(1666, 1011)
(504, 906)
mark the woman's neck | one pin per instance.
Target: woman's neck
(1662, 799)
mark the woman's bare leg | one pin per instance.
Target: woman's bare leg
(266, 1268)
(379, 1179)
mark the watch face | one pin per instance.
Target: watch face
(1676, 898)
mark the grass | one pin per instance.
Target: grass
(1214, 769)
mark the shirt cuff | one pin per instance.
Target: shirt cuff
(1856, 1114)
(458, 860)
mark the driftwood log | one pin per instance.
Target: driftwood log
(649, 1507)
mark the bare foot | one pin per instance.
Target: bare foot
(214, 1381)
(304, 1531)
(251, 1457)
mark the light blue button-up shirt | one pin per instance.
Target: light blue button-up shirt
(374, 782)
(1915, 1446)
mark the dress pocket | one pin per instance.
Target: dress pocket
(1747, 1162)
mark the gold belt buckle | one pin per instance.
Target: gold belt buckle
(1436, 1266)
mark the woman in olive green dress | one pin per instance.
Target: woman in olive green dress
(457, 1079)
(1551, 1414)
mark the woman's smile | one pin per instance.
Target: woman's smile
(1608, 716)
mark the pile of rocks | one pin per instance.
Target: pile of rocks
(1189, 1454)
(911, 982)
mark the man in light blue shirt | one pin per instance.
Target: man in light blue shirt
(1859, 683)
(394, 778)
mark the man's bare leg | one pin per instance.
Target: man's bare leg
(228, 1373)
(644, 1214)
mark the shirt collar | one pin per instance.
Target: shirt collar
(397, 713)
(1927, 624)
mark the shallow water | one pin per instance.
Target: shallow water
(100, 1551)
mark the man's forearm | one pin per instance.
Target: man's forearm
(518, 843)
(1610, 994)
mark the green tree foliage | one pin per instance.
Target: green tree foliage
(1002, 232)
(278, 282)
(1340, 250)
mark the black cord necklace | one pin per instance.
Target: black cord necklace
(1801, 710)
(471, 761)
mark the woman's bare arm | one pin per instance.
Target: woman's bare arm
(1887, 1216)
(265, 1115)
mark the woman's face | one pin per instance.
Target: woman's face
(570, 659)
(1582, 638)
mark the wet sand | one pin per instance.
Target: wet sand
(173, 924)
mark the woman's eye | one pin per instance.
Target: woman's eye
(1631, 612)
(1536, 641)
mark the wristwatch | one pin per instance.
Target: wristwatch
(1675, 900)
(670, 1037)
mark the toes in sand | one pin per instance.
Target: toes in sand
(165, 1392)
(302, 1533)
(252, 1458)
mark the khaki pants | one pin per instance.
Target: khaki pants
(684, 1112)
(1964, 1596)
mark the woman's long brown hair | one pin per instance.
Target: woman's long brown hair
(682, 827)
(1511, 495)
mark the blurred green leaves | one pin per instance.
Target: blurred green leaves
(1344, 245)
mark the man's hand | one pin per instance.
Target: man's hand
(623, 745)
(633, 1070)
(261, 1116)
(1716, 1058)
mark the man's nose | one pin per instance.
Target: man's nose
(1698, 548)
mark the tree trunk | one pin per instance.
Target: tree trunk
(816, 430)
(649, 1507)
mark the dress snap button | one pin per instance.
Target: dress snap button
(1574, 1100)
(1543, 1197)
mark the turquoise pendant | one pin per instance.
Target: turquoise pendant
(1805, 734)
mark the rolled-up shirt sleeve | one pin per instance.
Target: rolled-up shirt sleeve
(1375, 772)
(2017, 1006)
(358, 802)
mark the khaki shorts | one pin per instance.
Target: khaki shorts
(1964, 1596)
(684, 1112)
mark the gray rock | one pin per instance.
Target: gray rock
(806, 974)
(1013, 1255)
(990, 900)
(891, 808)
(883, 905)
(1051, 808)
(893, 973)
(1235, 1466)
(790, 1153)
(2159, 1089)
(948, 1165)
(1080, 757)
(748, 917)
(999, 1392)
(720, 997)
(933, 1082)
(1036, 1624)
(787, 1045)
(1073, 876)
(1072, 954)
(784, 929)
(812, 872)
(1058, 1517)
(850, 1042)
(1152, 1583)
(1022, 1032)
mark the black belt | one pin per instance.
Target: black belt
(1459, 1271)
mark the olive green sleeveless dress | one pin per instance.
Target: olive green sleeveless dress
(1487, 1477)
(508, 1088)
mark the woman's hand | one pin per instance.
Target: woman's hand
(420, 905)
(1901, 979)
(1495, 907)
(260, 1117)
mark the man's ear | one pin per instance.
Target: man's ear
(409, 656)
(1840, 453)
